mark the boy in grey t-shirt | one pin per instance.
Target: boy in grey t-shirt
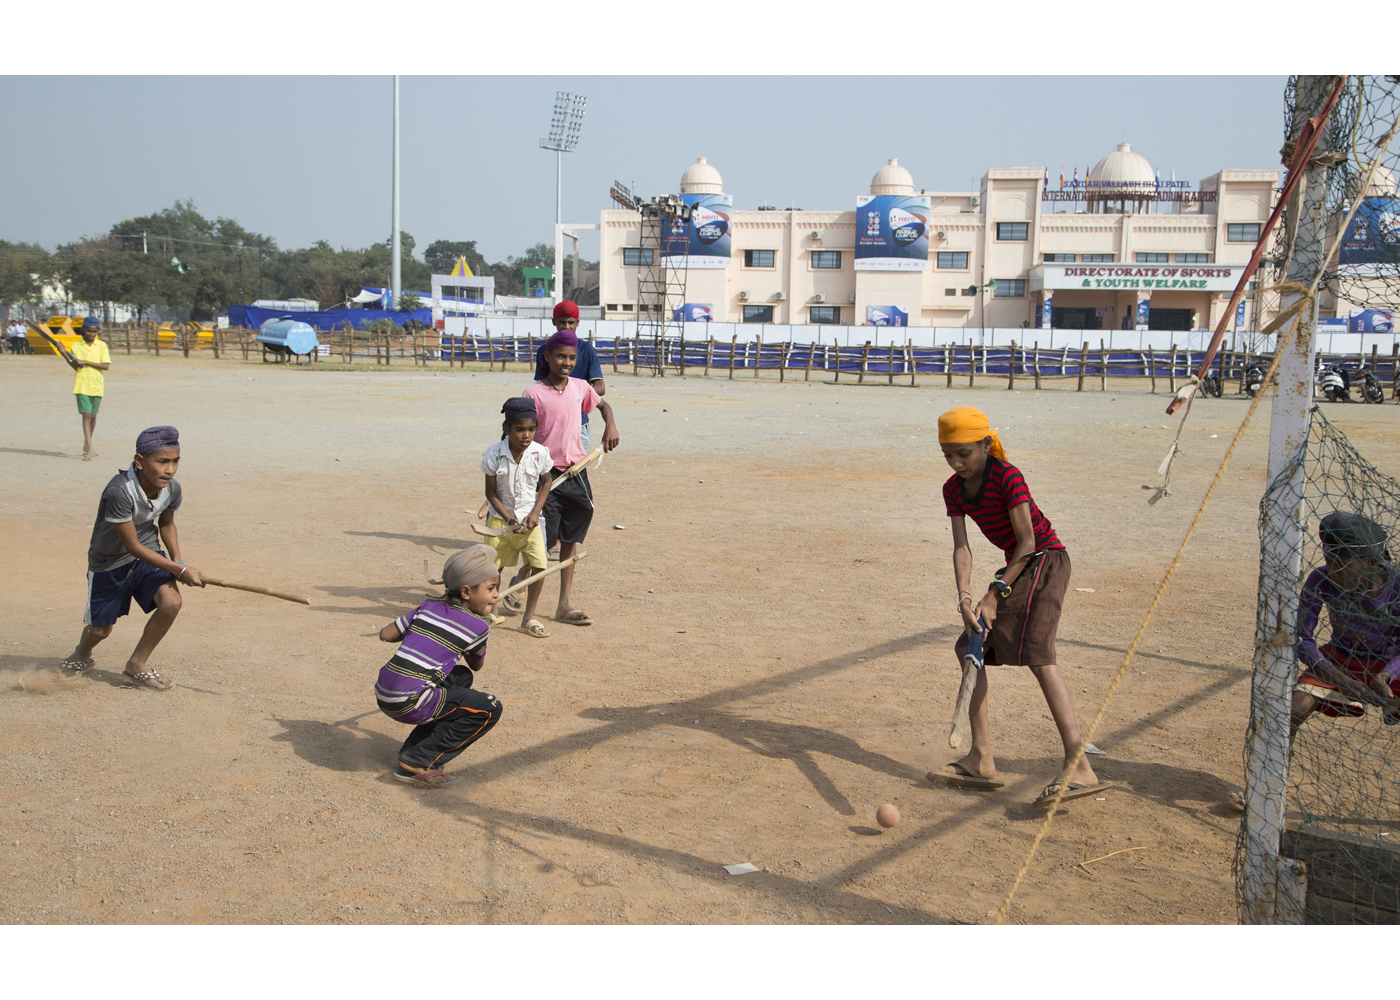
(125, 560)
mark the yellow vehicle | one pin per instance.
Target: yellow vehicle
(64, 329)
(170, 332)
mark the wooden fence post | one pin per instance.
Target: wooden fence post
(1083, 363)
(757, 353)
(1171, 376)
(733, 347)
(913, 364)
(709, 355)
(128, 337)
(807, 373)
(1011, 368)
(1152, 367)
(971, 364)
(948, 364)
(1036, 363)
(864, 363)
(154, 333)
(1103, 367)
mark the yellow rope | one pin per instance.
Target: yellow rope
(1181, 550)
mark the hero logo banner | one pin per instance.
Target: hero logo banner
(1371, 246)
(705, 240)
(886, 316)
(892, 232)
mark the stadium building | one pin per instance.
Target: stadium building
(1121, 249)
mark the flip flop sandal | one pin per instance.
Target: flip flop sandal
(148, 679)
(535, 629)
(513, 602)
(964, 778)
(424, 779)
(1235, 803)
(576, 617)
(72, 668)
(1074, 791)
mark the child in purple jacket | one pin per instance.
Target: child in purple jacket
(423, 684)
(1360, 664)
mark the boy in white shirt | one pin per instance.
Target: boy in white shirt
(518, 475)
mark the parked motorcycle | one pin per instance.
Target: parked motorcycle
(1210, 385)
(1335, 383)
(1253, 379)
(1372, 390)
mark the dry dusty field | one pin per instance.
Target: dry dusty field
(771, 660)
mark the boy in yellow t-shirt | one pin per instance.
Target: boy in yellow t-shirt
(90, 359)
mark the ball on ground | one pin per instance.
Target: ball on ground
(887, 815)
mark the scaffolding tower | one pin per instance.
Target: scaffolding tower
(661, 278)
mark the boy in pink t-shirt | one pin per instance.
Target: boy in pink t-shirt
(560, 403)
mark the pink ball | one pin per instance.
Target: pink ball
(887, 815)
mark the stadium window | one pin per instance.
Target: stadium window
(1059, 258)
(969, 291)
(637, 256)
(1010, 288)
(1097, 258)
(627, 307)
(1193, 258)
(1242, 232)
(1151, 258)
(825, 314)
(612, 307)
(758, 314)
(950, 291)
(825, 260)
(1018, 231)
(954, 261)
(759, 258)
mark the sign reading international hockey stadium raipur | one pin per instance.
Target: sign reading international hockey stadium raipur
(1137, 277)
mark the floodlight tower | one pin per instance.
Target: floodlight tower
(564, 130)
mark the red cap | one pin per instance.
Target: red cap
(566, 310)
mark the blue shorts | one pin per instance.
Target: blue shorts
(110, 593)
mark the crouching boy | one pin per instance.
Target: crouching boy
(423, 684)
(125, 560)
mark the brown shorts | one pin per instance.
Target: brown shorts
(1024, 631)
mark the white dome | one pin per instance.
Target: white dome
(701, 178)
(892, 179)
(1382, 184)
(1123, 169)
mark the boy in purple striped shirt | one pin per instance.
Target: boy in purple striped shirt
(423, 684)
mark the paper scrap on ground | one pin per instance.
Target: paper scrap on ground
(1093, 749)
(1085, 590)
(743, 869)
(618, 527)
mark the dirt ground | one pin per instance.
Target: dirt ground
(771, 660)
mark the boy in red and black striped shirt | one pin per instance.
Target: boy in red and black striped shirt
(1020, 611)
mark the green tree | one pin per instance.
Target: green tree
(441, 256)
(24, 268)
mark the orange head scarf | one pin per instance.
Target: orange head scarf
(965, 424)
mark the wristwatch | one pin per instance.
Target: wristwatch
(1000, 587)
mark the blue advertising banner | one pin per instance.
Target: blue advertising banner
(1371, 245)
(1239, 315)
(694, 312)
(1329, 324)
(1047, 313)
(892, 232)
(1144, 308)
(705, 240)
(886, 316)
(1371, 321)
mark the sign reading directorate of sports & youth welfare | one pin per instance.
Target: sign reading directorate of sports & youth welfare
(706, 238)
(892, 232)
(1137, 277)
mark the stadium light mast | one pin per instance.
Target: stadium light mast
(564, 128)
(395, 244)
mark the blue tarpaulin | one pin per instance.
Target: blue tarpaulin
(254, 318)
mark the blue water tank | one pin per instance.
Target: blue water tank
(290, 335)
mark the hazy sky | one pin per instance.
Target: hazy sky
(307, 158)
